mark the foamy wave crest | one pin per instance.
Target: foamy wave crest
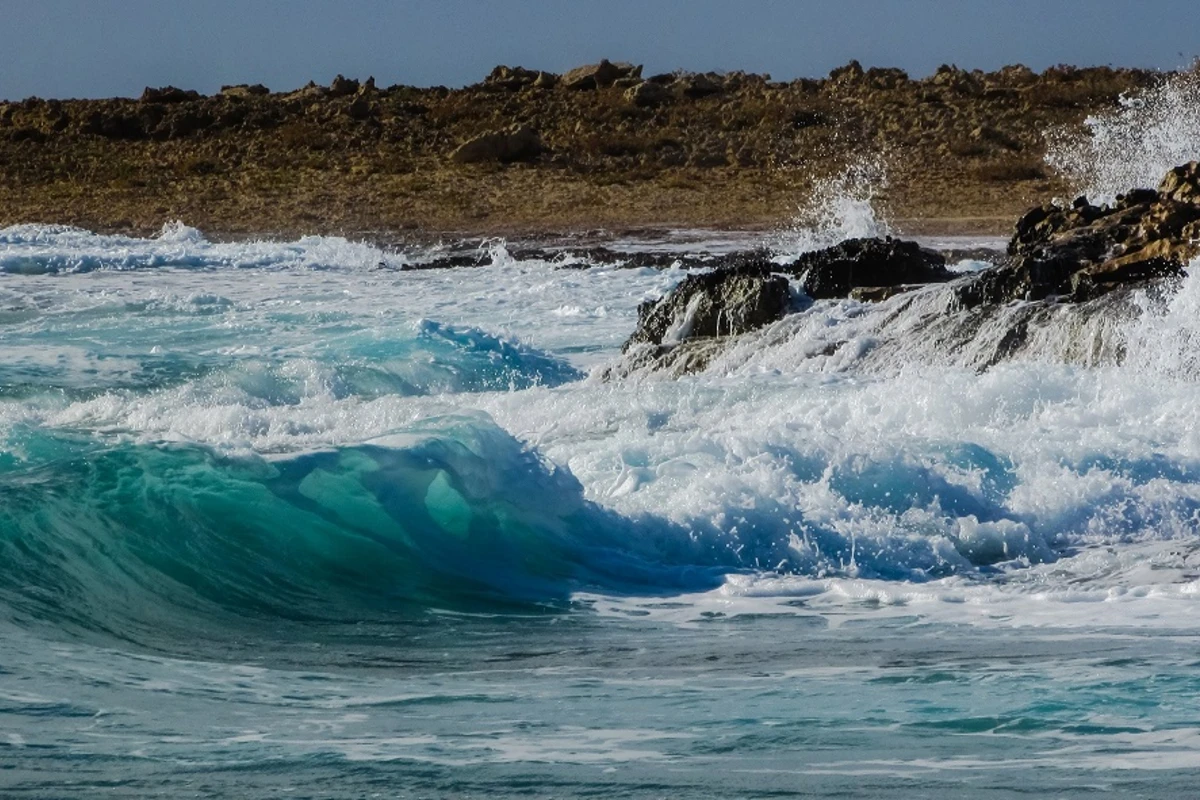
(1136, 144)
(42, 249)
(842, 207)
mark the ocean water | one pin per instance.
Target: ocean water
(290, 519)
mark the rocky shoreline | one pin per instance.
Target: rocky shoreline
(1070, 271)
(602, 146)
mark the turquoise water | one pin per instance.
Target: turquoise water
(283, 519)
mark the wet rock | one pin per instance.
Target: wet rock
(727, 302)
(518, 144)
(876, 263)
(1082, 251)
(1182, 184)
(877, 294)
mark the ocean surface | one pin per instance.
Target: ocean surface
(292, 519)
(295, 519)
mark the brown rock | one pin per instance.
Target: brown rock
(599, 76)
(518, 144)
(648, 95)
(1182, 184)
(245, 90)
(696, 86)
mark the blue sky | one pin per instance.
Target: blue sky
(96, 48)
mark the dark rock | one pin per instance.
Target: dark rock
(1082, 251)
(518, 144)
(186, 124)
(726, 302)
(886, 78)
(117, 126)
(168, 94)
(343, 87)
(835, 271)
(877, 294)
(360, 108)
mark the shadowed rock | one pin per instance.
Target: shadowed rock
(1084, 251)
(749, 292)
(726, 302)
(169, 94)
(518, 144)
(862, 263)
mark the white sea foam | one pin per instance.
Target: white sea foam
(34, 249)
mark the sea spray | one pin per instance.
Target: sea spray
(1135, 144)
(840, 206)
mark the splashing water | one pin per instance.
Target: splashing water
(276, 521)
(842, 206)
(1136, 144)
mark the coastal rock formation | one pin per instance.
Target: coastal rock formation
(867, 264)
(1065, 289)
(678, 331)
(1082, 251)
(649, 94)
(726, 302)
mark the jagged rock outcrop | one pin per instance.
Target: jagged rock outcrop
(518, 144)
(1083, 251)
(867, 264)
(341, 86)
(678, 331)
(726, 302)
(245, 90)
(1064, 292)
(683, 330)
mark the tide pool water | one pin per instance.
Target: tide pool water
(285, 519)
